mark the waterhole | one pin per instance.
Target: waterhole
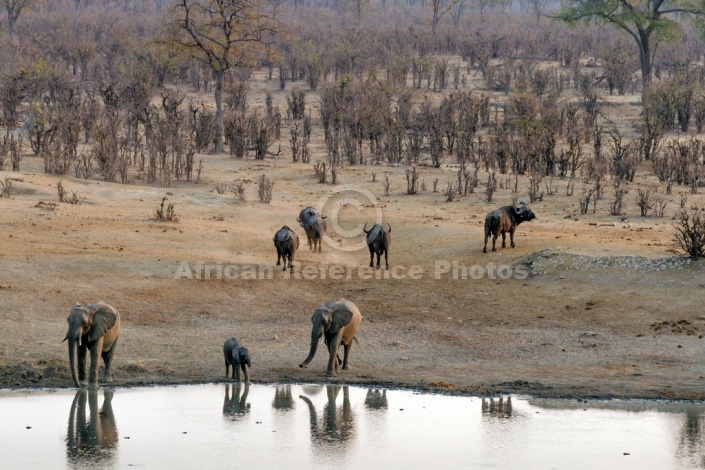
(334, 426)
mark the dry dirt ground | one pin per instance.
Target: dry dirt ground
(593, 307)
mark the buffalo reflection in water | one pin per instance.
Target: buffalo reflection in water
(498, 408)
(337, 425)
(91, 439)
(235, 403)
(376, 400)
(283, 400)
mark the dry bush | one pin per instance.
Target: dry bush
(412, 180)
(386, 185)
(617, 204)
(60, 191)
(74, 198)
(491, 187)
(168, 214)
(6, 188)
(683, 200)
(237, 187)
(220, 188)
(690, 233)
(321, 169)
(660, 207)
(535, 194)
(15, 146)
(264, 189)
(585, 199)
(63, 196)
(333, 174)
(450, 192)
(645, 200)
(83, 165)
(296, 104)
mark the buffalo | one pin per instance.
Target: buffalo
(315, 226)
(379, 239)
(503, 220)
(286, 242)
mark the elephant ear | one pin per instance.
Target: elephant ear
(341, 316)
(245, 356)
(104, 318)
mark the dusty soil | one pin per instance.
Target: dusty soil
(585, 305)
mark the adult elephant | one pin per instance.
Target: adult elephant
(94, 327)
(92, 435)
(337, 322)
(336, 426)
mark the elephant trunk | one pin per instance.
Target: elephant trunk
(73, 351)
(315, 337)
(246, 372)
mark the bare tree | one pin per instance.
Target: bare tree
(14, 8)
(222, 34)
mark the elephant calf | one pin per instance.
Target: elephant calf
(238, 356)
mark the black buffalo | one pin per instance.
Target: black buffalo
(287, 242)
(379, 239)
(503, 220)
(315, 227)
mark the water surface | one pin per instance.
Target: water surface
(333, 426)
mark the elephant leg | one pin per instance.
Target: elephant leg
(96, 349)
(333, 363)
(236, 369)
(227, 370)
(108, 361)
(245, 372)
(346, 356)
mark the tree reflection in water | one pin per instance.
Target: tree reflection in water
(91, 439)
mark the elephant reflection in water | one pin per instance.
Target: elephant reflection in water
(235, 403)
(376, 400)
(498, 408)
(283, 400)
(337, 424)
(91, 439)
(692, 439)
